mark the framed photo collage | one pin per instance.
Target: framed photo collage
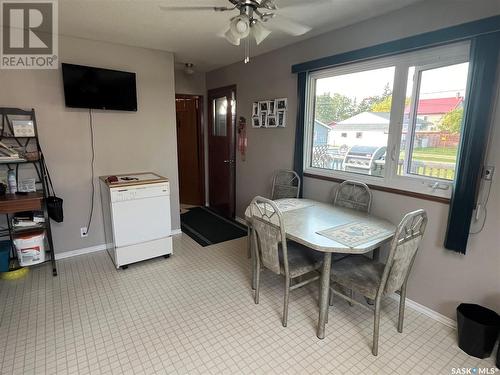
(269, 113)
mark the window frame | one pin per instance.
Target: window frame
(448, 54)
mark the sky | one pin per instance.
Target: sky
(435, 83)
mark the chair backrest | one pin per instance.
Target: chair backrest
(355, 195)
(286, 184)
(268, 233)
(404, 247)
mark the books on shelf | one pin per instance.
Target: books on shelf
(28, 219)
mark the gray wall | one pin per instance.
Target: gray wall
(125, 141)
(193, 84)
(441, 279)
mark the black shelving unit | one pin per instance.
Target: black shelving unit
(31, 155)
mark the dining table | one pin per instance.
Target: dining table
(331, 230)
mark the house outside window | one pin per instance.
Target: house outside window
(397, 120)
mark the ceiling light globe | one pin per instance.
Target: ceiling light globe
(241, 26)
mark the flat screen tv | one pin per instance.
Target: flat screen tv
(97, 88)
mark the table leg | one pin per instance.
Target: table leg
(324, 295)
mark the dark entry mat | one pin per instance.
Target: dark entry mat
(208, 228)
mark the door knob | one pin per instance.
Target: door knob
(228, 161)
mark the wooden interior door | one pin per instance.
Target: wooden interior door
(189, 114)
(221, 149)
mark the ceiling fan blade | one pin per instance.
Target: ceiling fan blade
(288, 26)
(179, 8)
(268, 4)
(288, 4)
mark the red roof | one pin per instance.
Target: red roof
(436, 106)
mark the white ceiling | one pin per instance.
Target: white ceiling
(193, 35)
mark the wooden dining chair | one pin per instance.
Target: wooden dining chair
(274, 252)
(355, 195)
(375, 280)
(286, 184)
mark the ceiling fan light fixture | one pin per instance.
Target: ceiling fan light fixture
(260, 32)
(231, 38)
(240, 26)
(189, 68)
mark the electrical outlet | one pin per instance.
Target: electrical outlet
(83, 232)
(488, 173)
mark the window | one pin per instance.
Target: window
(392, 122)
(433, 120)
(346, 103)
(220, 116)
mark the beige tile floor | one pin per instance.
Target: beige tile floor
(194, 314)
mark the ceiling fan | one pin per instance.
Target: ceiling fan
(253, 14)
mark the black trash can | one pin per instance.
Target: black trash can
(478, 329)
(498, 357)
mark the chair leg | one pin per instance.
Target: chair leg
(249, 246)
(376, 327)
(351, 295)
(257, 281)
(253, 245)
(330, 302)
(287, 297)
(402, 301)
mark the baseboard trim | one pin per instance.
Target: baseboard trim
(427, 312)
(94, 249)
(85, 250)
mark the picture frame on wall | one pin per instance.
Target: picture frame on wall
(256, 122)
(281, 119)
(272, 107)
(271, 122)
(281, 104)
(263, 106)
(270, 113)
(263, 118)
(255, 109)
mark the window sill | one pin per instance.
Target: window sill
(406, 193)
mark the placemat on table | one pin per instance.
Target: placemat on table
(355, 233)
(289, 204)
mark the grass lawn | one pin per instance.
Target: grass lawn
(437, 155)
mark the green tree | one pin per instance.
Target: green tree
(334, 107)
(452, 121)
(383, 106)
(377, 103)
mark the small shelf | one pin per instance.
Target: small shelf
(31, 158)
(33, 228)
(11, 203)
